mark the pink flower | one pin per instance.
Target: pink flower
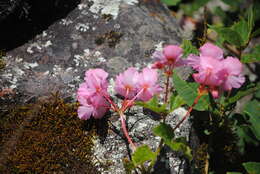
(96, 80)
(215, 71)
(172, 52)
(170, 56)
(208, 71)
(96, 106)
(91, 94)
(231, 73)
(211, 50)
(207, 50)
(146, 84)
(126, 83)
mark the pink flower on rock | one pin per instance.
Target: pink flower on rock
(96, 80)
(96, 106)
(91, 94)
(126, 83)
(147, 84)
(170, 56)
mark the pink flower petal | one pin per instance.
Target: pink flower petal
(96, 79)
(172, 52)
(126, 83)
(193, 61)
(159, 56)
(233, 82)
(149, 76)
(147, 82)
(211, 50)
(84, 112)
(232, 65)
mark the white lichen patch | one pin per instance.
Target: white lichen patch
(47, 44)
(81, 6)
(159, 46)
(68, 76)
(101, 59)
(83, 60)
(82, 27)
(12, 72)
(33, 45)
(66, 22)
(44, 34)
(30, 65)
(110, 7)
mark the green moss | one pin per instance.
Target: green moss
(46, 137)
(201, 157)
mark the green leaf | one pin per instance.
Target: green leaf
(188, 91)
(252, 109)
(171, 2)
(256, 10)
(228, 34)
(256, 33)
(194, 6)
(252, 57)
(143, 154)
(234, 173)
(153, 105)
(252, 167)
(176, 101)
(180, 145)
(188, 48)
(250, 18)
(257, 94)
(249, 89)
(164, 131)
(243, 29)
(128, 165)
(245, 136)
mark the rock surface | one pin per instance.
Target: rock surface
(108, 34)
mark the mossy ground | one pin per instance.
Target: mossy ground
(46, 137)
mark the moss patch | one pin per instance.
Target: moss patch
(112, 38)
(45, 138)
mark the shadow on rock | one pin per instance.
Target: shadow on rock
(25, 19)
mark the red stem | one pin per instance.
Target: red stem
(126, 132)
(188, 112)
(131, 101)
(114, 107)
(166, 89)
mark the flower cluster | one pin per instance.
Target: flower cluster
(131, 84)
(95, 100)
(91, 94)
(169, 58)
(215, 71)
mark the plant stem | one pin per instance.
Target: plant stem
(166, 89)
(114, 107)
(122, 116)
(188, 112)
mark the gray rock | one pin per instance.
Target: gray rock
(112, 36)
